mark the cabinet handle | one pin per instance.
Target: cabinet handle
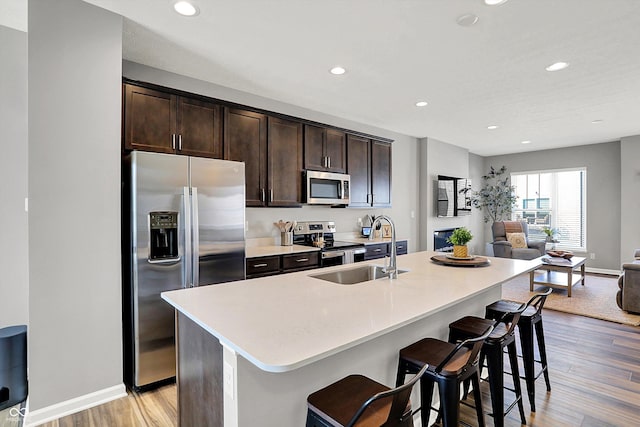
(399, 247)
(302, 259)
(372, 197)
(377, 250)
(329, 162)
(180, 142)
(271, 194)
(262, 195)
(173, 141)
(259, 265)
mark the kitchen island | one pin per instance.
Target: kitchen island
(250, 352)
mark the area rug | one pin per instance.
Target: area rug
(597, 298)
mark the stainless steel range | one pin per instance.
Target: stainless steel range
(321, 234)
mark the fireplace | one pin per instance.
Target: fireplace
(440, 237)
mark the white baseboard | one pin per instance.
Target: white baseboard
(602, 271)
(71, 406)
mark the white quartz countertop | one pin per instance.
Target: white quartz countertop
(280, 323)
(366, 241)
(258, 251)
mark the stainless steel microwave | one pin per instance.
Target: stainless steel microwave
(326, 188)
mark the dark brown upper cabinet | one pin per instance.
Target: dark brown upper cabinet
(284, 153)
(325, 149)
(166, 123)
(369, 164)
(380, 174)
(271, 149)
(245, 140)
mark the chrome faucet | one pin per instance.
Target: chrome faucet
(392, 269)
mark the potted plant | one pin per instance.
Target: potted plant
(497, 196)
(550, 232)
(459, 239)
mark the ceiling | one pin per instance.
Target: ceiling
(398, 52)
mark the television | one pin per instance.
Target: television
(453, 196)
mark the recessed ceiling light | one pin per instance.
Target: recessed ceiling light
(494, 2)
(337, 71)
(526, 142)
(186, 8)
(492, 127)
(597, 121)
(467, 20)
(557, 66)
(422, 104)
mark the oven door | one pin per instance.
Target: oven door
(331, 258)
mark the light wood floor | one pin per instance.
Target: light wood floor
(595, 382)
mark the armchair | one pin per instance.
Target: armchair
(502, 247)
(628, 297)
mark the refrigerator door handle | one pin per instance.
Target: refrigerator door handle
(186, 207)
(195, 227)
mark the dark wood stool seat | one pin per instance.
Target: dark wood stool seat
(530, 321)
(493, 352)
(360, 401)
(448, 365)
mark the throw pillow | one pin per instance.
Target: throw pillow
(517, 240)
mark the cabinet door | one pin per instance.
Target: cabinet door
(336, 150)
(381, 174)
(199, 128)
(149, 119)
(359, 167)
(284, 152)
(314, 156)
(245, 140)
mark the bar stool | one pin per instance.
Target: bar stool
(449, 365)
(493, 351)
(530, 319)
(358, 399)
(13, 366)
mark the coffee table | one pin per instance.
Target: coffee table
(558, 273)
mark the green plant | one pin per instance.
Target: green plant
(550, 232)
(460, 237)
(497, 197)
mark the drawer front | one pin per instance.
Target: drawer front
(263, 266)
(401, 247)
(300, 261)
(378, 250)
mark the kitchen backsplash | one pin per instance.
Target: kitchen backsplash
(260, 220)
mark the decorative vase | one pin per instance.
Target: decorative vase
(460, 251)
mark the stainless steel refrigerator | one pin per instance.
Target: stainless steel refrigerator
(183, 225)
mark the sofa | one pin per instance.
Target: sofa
(503, 248)
(628, 297)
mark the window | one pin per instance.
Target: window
(554, 199)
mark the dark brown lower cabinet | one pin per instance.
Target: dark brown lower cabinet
(199, 375)
(277, 264)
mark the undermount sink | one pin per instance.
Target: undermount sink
(355, 275)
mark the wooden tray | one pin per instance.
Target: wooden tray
(478, 261)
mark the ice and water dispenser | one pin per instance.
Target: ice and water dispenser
(163, 236)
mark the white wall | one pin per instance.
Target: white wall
(629, 197)
(440, 158)
(603, 165)
(404, 167)
(75, 340)
(14, 262)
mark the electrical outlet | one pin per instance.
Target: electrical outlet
(359, 222)
(227, 370)
(592, 255)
